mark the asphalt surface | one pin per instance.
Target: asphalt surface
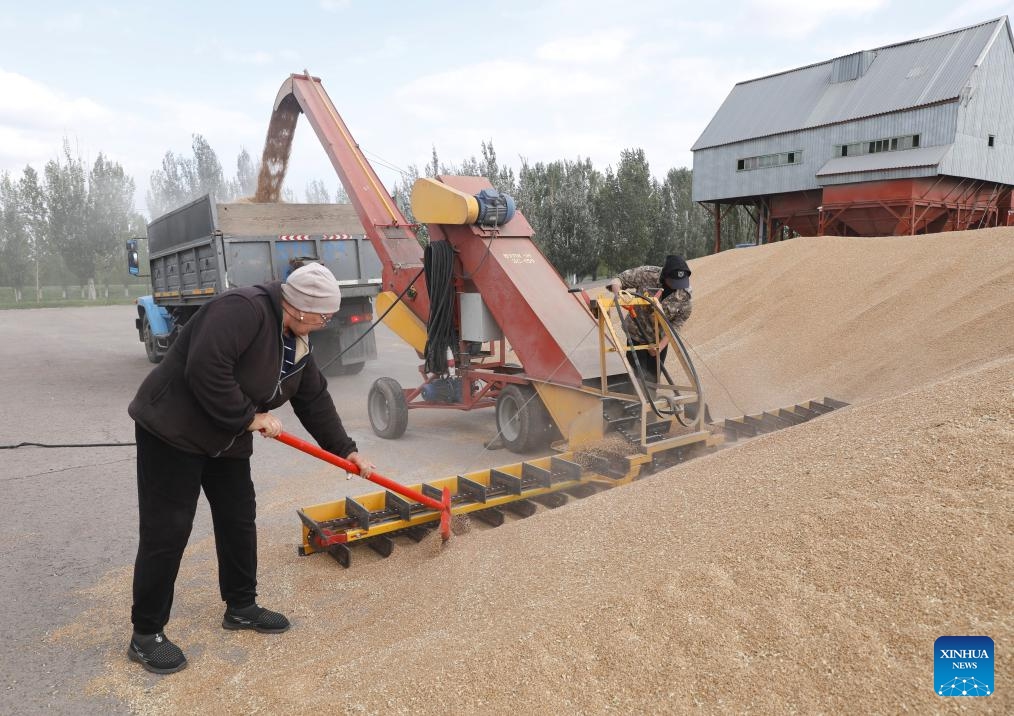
(69, 515)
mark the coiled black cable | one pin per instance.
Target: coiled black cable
(438, 263)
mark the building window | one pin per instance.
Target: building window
(992, 140)
(765, 161)
(890, 144)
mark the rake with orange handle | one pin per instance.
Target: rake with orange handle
(443, 506)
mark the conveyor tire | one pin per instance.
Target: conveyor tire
(521, 419)
(387, 409)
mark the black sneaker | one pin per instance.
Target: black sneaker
(156, 653)
(257, 618)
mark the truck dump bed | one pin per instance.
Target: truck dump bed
(205, 247)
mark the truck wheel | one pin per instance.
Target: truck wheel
(149, 342)
(351, 369)
(521, 419)
(387, 409)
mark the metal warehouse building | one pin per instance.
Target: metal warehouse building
(910, 138)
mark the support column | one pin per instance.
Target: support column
(718, 227)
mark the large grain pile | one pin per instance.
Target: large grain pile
(807, 571)
(854, 318)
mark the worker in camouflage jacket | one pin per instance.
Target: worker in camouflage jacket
(670, 284)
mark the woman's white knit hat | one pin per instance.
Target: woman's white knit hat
(312, 288)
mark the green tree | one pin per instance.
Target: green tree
(557, 199)
(638, 205)
(685, 220)
(502, 178)
(433, 168)
(66, 196)
(317, 193)
(607, 209)
(32, 207)
(246, 175)
(402, 196)
(181, 179)
(4, 230)
(172, 185)
(110, 216)
(89, 216)
(15, 254)
(209, 171)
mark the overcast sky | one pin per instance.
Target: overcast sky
(544, 79)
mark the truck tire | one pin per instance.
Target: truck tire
(387, 409)
(149, 342)
(521, 419)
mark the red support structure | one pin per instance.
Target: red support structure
(717, 212)
(891, 207)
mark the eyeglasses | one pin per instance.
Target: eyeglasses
(323, 319)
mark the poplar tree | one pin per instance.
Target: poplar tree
(14, 248)
(317, 193)
(557, 199)
(66, 196)
(32, 207)
(246, 175)
(182, 179)
(110, 213)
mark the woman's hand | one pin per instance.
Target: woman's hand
(267, 424)
(366, 467)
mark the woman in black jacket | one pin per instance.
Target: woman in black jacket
(243, 354)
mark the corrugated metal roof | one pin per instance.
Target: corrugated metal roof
(901, 76)
(921, 157)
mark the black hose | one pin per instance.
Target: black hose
(438, 262)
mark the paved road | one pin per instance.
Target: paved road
(69, 515)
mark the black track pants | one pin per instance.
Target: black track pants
(169, 482)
